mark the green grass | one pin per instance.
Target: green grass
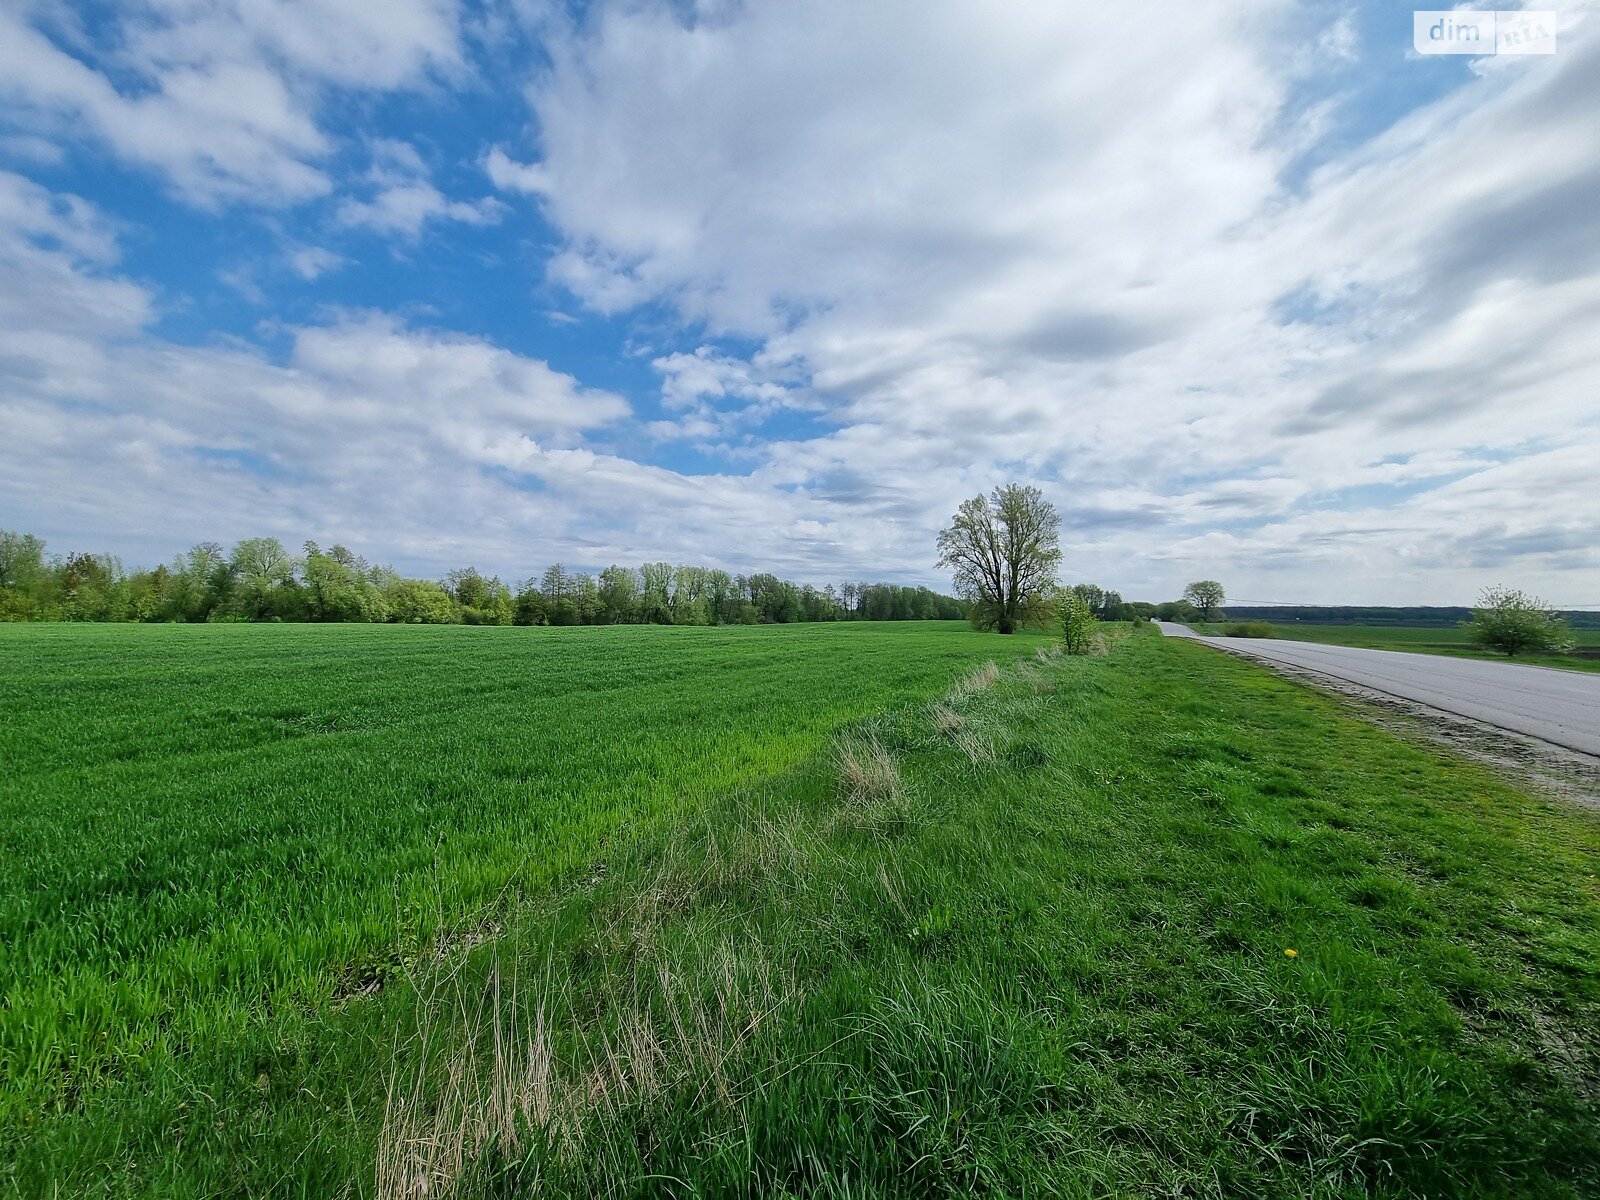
(1451, 640)
(1026, 940)
(211, 832)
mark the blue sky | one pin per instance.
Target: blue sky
(1252, 291)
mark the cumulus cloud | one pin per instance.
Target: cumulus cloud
(884, 255)
(404, 199)
(220, 97)
(1003, 249)
(364, 428)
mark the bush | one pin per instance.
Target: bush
(1255, 629)
(1514, 622)
(1077, 623)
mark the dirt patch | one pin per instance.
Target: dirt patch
(1554, 770)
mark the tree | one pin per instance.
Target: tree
(1514, 622)
(420, 602)
(265, 573)
(202, 582)
(1206, 595)
(483, 599)
(619, 592)
(1004, 550)
(337, 587)
(262, 581)
(556, 586)
(655, 588)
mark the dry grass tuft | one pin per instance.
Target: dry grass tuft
(954, 726)
(494, 1082)
(979, 680)
(947, 720)
(868, 774)
(1040, 683)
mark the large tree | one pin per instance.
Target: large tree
(1004, 549)
(1206, 595)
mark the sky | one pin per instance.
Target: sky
(1252, 291)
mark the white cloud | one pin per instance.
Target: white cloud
(312, 262)
(404, 199)
(512, 176)
(54, 252)
(405, 208)
(221, 97)
(1075, 246)
(1004, 252)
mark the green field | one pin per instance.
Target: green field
(377, 911)
(207, 826)
(1449, 639)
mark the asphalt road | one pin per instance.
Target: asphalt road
(1543, 702)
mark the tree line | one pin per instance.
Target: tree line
(260, 580)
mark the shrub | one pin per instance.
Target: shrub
(1077, 623)
(1514, 622)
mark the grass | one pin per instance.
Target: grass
(1024, 933)
(217, 837)
(1451, 640)
(1063, 970)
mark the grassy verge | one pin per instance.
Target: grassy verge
(1419, 639)
(1034, 939)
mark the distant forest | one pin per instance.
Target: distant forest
(1440, 617)
(259, 580)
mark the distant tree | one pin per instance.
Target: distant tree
(687, 601)
(776, 601)
(202, 584)
(619, 595)
(265, 574)
(420, 602)
(484, 600)
(22, 576)
(1177, 610)
(338, 588)
(528, 605)
(91, 587)
(586, 599)
(1206, 595)
(261, 581)
(1077, 622)
(723, 595)
(655, 587)
(1514, 622)
(1004, 550)
(557, 587)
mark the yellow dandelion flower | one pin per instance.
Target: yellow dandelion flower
(1292, 953)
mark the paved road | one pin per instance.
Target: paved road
(1544, 702)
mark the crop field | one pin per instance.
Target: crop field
(213, 833)
(822, 911)
(1447, 639)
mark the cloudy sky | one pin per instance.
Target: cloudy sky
(1252, 290)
